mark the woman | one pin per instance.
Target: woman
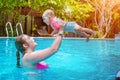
(33, 59)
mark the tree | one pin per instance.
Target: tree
(105, 11)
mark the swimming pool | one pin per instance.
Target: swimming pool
(75, 60)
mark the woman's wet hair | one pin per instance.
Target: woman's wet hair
(18, 59)
(20, 40)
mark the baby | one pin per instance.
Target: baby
(50, 19)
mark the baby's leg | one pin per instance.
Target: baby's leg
(85, 30)
(79, 30)
(81, 33)
(90, 31)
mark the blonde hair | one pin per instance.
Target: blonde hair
(48, 13)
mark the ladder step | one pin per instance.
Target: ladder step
(9, 23)
(19, 24)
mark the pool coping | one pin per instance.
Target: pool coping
(73, 38)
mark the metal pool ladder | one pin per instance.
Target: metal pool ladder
(11, 28)
(8, 23)
(19, 24)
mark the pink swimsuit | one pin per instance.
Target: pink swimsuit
(55, 25)
(41, 66)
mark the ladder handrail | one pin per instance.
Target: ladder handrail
(9, 23)
(20, 28)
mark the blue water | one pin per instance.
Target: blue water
(75, 60)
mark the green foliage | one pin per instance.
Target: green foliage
(70, 10)
(9, 5)
(77, 10)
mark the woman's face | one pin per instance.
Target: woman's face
(30, 41)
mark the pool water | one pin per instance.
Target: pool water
(75, 60)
